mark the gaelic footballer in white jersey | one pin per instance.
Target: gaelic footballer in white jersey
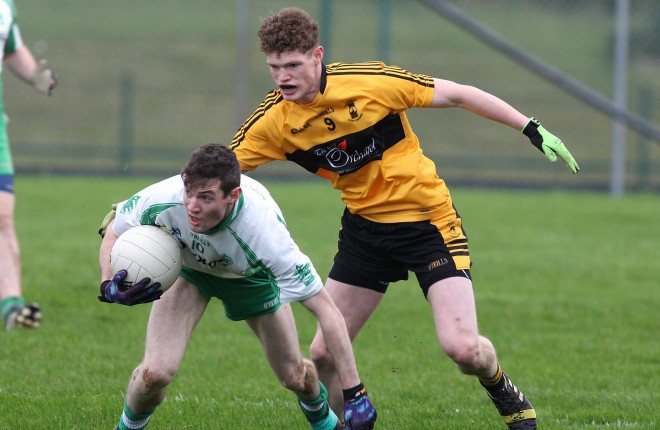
(253, 238)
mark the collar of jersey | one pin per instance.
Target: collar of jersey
(324, 78)
(230, 218)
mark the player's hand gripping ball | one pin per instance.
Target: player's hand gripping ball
(116, 291)
(146, 261)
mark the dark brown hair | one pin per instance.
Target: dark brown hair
(290, 29)
(209, 162)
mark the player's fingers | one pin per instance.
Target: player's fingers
(42, 64)
(141, 284)
(549, 153)
(53, 84)
(120, 276)
(148, 296)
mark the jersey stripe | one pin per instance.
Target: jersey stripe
(272, 99)
(377, 68)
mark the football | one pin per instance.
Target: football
(147, 251)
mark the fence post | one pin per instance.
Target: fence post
(126, 121)
(325, 26)
(384, 30)
(643, 153)
(618, 178)
(243, 52)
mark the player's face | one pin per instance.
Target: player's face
(297, 74)
(207, 205)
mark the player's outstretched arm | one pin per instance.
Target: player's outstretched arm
(450, 94)
(38, 74)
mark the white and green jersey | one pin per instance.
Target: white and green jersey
(252, 240)
(10, 35)
(10, 41)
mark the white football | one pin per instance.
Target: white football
(147, 251)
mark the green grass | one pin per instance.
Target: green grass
(566, 285)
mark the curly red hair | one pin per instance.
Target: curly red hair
(290, 29)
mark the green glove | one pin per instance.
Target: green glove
(549, 144)
(108, 218)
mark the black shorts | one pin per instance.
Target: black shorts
(371, 254)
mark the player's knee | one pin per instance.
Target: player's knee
(463, 352)
(301, 378)
(153, 378)
(6, 221)
(292, 378)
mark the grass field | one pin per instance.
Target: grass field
(566, 285)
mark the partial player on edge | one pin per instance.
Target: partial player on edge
(18, 58)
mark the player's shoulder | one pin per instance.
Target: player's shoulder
(365, 68)
(272, 99)
(7, 11)
(254, 189)
(168, 191)
(167, 186)
(258, 199)
(372, 70)
(273, 107)
(361, 67)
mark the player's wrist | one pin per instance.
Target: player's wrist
(531, 126)
(354, 392)
(531, 130)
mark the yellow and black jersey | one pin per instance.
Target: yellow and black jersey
(356, 134)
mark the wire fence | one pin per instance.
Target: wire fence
(144, 83)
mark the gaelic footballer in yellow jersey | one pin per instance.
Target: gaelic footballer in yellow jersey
(347, 123)
(355, 134)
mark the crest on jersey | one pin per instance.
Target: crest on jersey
(353, 111)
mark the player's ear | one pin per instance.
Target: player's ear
(318, 53)
(235, 194)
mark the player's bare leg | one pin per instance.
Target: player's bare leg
(14, 311)
(356, 305)
(171, 322)
(455, 316)
(278, 336)
(10, 281)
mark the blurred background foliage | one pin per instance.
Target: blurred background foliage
(144, 83)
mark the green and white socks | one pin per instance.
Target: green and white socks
(9, 304)
(131, 421)
(318, 412)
